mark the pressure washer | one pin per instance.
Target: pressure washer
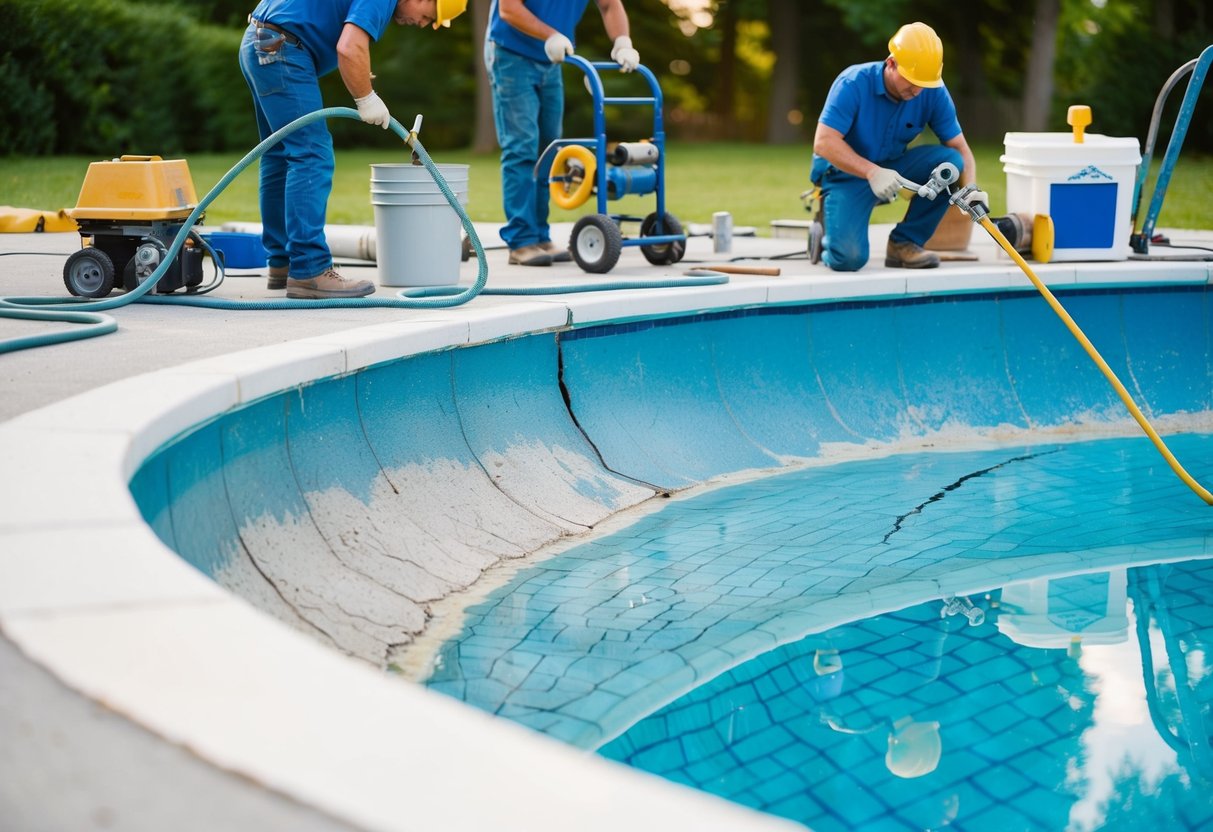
(129, 212)
(576, 168)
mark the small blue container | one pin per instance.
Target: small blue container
(240, 250)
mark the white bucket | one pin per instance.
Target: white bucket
(417, 232)
(1086, 188)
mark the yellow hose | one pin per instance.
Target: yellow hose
(1078, 334)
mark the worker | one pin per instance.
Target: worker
(873, 111)
(526, 42)
(288, 46)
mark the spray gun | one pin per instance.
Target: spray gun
(942, 179)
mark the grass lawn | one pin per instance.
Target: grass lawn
(756, 183)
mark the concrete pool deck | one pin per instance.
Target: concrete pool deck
(142, 699)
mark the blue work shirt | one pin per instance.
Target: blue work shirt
(561, 15)
(873, 124)
(318, 23)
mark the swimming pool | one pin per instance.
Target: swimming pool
(1009, 703)
(350, 507)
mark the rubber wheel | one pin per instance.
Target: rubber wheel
(816, 235)
(596, 243)
(89, 273)
(662, 254)
(572, 178)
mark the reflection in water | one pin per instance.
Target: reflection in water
(1078, 702)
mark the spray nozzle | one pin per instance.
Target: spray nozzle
(953, 605)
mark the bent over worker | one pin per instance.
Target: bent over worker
(288, 46)
(873, 111)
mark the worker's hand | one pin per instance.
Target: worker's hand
(977, 198)
(557, 47)
(624, 55)
(372, 110)
(885, 183)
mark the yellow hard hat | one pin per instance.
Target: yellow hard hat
(447, 10)
(919, 54)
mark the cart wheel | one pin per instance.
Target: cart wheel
(816, 235)
(662, 254)
(465, 250)
(89, 273)
(596, 243)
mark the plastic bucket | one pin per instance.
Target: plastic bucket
(240, 250)
(1086, 188)
(417, 232)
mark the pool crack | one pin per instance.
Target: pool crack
(939, 495)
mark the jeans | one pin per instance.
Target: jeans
(528, 109)
(848, 202)
(297, 172)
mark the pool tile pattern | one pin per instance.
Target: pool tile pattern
(583, 645)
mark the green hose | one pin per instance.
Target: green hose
(87, 311)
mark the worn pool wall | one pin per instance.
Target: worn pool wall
(347, 506)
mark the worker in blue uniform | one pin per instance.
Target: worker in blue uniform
(526, 42)
(288, 46)
(872, 113)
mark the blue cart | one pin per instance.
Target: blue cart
(575, 168)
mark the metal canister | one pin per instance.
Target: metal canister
(722, 232)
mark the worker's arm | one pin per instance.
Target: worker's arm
(958, 143)
(354, 60)
(830, 145)
(515, 13)
(614, 18)
(354, 64)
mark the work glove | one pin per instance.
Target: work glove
(977, 198)
(624, 55)
(885, 183)
(556, 47)
(372, 110)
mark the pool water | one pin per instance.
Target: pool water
(1007, 638)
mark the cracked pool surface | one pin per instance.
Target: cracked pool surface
(592, 644)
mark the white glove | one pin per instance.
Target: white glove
(624, 55)
(973, 197)
(884, 183)
(556, 47)
(372, 110)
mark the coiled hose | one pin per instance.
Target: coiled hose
(89, 313)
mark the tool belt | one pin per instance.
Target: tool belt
(272, 44)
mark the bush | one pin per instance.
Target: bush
(104, 77)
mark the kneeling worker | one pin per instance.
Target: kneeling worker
(873, 111)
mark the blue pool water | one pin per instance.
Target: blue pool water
(786, 643)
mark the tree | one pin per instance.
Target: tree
(1038, 93)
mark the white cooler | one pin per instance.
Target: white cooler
(1085, 187)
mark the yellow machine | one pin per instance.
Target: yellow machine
(130, 210)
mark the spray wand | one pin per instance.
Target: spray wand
(941, 180)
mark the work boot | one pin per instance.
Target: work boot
(277, 278)
(530, 256)
(558, 254)
(328, 284)
(909, 255)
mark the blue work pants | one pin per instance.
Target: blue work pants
(848, 202)
(297, 172)
(528, 109)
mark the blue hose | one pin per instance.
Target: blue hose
(88, 312)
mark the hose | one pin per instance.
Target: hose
(1082, 339)
(89, 313)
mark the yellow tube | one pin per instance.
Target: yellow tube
(1081, 337)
